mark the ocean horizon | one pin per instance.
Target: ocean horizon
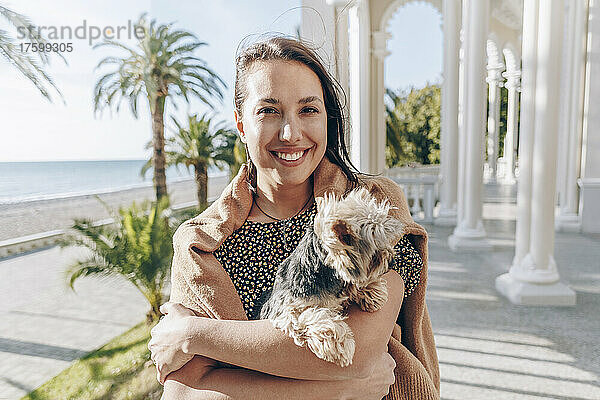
(28, 181)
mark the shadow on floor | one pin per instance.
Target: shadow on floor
(491, 348)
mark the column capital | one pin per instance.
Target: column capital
(513, 79)
(379, 44)
(494, 76)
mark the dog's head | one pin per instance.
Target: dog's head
(357, 234)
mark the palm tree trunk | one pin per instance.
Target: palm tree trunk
(158, 143)
(154, 314)
(201, 176)
(155, 299)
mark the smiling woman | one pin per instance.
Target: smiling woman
(284, 127)
(289, 116)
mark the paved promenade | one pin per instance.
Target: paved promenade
(488, 348)
(491, 349)
(46, 326)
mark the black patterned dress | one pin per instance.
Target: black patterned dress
(253, 252)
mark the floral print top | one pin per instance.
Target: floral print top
(252, 253)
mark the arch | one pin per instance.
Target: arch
(397, 4)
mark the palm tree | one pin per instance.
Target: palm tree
(413, 126)
(138, 247)
(200, 146)
(30, 64)
(397, 146)
(161, 66)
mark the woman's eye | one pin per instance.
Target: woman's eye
(310, 110)
(267, 110)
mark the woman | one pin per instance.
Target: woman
(289, 116)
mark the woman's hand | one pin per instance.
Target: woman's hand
(376, 385)
(171, 338)
(196, 380)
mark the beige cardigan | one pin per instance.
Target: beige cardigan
(199, 282)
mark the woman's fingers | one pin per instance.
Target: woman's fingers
(168, 340)
(175, 308)
(161, 375)
(166, 308)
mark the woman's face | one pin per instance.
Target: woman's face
(283, 122)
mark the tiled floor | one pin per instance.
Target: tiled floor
(488, 348)
(491, 349)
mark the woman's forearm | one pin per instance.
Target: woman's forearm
(233, 384)
(259, 346)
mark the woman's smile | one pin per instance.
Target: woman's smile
(291, 158)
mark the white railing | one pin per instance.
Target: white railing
(12, 247)
(420, 185)
(421, 188)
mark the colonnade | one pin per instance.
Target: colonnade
(477, 65)
(533, 276)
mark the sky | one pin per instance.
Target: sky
(33, 129)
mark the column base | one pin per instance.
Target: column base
(535, 294)
(508, 180)
(469, 239)
(492, 180)
(590, 198)
(446, 217)
(567, 222)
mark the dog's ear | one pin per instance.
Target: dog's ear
(344, 233)
(319, 201)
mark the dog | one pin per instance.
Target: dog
(340, 259)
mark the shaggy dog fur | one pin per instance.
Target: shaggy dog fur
(340, 259)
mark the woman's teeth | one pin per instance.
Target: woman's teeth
(290, 156)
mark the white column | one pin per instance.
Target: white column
(494, 80)
(377, 132)
(342, 58)
(318, 27)
(462, 107)
(449, 135)
(589, 208)
(360, 57)
(469, 233)
(528, 71)
(571, 121)
(510, 139)
(535, 280)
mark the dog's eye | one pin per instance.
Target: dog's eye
(346, 239)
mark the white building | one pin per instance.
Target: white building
(546, 50)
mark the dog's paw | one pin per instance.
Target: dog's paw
(373, 296)
(327, 335)
(289, 324)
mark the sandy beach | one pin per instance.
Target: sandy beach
(28, 218)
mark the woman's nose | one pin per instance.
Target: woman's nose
(290, 132)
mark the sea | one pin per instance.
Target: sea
(22, 182)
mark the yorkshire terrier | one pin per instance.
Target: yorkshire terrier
(340, 259)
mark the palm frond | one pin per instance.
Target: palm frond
(30, 65)
(138, 247)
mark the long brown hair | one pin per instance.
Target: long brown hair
(288, 49)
